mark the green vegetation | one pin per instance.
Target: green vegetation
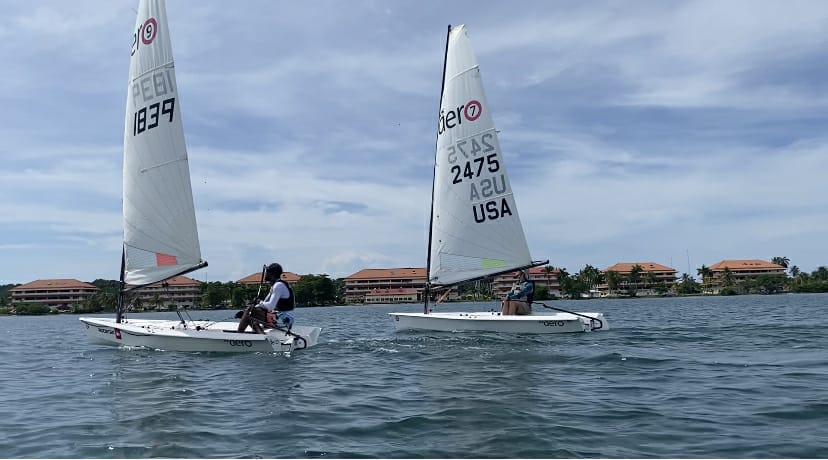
(798, 281)
(32, 309)
(310, 290)
(474, 290)
(320, 290)
(816, 281)
(687, 285)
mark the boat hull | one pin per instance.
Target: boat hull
(495, 322)
(195, 336)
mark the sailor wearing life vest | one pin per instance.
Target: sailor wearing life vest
(519, 300)
(278, 304)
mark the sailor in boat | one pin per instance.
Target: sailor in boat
(519, 300)
(278, 305)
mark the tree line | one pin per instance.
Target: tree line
(308, 291)
(320, 290)
(589, 278)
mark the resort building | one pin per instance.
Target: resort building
(359, 285)
(651, 275)
(256, 278)
(179, 291)
(57, 294)
(743, 269)
(541, 276)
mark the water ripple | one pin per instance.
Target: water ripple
(681, 377)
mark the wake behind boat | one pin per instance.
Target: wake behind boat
(160, 231)
(475, 230)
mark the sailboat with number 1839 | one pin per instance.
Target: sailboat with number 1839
(160, 232)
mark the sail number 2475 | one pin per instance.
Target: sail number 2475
(150, 116)
(474, 168)
(472, 149)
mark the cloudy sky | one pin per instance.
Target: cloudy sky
(681, 133)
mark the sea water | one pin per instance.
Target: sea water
(720, 377)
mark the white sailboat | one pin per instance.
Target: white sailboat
(160, 232)
(475, 229)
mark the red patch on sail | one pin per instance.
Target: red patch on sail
(165, 259)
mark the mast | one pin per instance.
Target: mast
(427, 289)
(119, 309)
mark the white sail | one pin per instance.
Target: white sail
(476, 230)
(160, 234)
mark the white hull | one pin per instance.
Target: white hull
(171, 335)
(495, 322)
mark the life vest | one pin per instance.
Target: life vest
(531, 296)
(286, 304)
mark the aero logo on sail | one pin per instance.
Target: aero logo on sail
(145, 34)
(470, 111)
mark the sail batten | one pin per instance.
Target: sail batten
(461, 73)
(160, 231)
(475, 226)
(168, 65)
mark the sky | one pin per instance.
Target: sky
(682, 132)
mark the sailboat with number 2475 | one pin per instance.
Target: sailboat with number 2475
(475, 229)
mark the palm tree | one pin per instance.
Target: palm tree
(794, 271)
(783, 261)
(548, 269)
(635, 276)
(727, 277)
(599, 279)
(795, 274)
(706, 273)
(650, 279)
(613, 280)
(155, 301)
(590, 276)
(686, 284)
(563, 279)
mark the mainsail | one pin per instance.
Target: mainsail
(160, 233)
(475, 228)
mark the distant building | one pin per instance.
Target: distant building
(178, 291)
(742, 269)
(60, 294)
(256, 278)
(660, 273)
(361, 283)
(541, 276)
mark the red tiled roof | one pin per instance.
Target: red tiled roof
(747, 264)
(626, 267)
(534, 273)
(541, 271)
(388, 273)
(179, 280)
(61, 284)
(256, 278)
